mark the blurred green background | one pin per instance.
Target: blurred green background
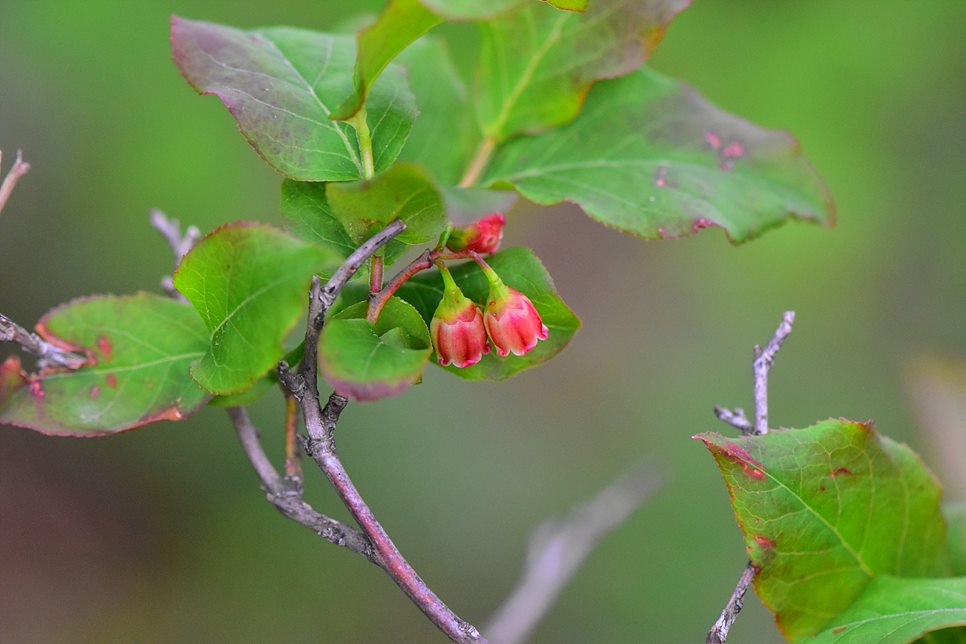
(162, 534)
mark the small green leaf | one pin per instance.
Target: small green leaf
(365, 361)
(521, 270)
(400, 23)
(896, 611)
(569, 5)
(537, 63)
(956, 516)
(649, 156)
(249, 282)
(139, 348)
(281, 85)
(826, 509)
(445, 134)
(405, 191)
(307, 211)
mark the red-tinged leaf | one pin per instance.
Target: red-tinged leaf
(139, 350)
(650, 156)
(281, 85)
(826, 509)
(367, 361)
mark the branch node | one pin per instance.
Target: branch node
(17, 170)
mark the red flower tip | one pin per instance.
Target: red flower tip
(482, 236)
(512, 322)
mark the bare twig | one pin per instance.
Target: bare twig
(293, 453)
(289, 500)
(180, 245)
(47, 353)
(559, 547)
(763, 362)
(764, 359)
(719, 632)
(17, 170)
(321, 423)
(736, 418)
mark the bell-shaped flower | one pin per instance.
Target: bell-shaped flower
(511, 320)
(457, 330)
(482, 236)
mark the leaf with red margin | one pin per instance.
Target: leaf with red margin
(367, 361)
(139, 350)
(281, 84)
(650, 156)
(826, 509)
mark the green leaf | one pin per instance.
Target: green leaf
(569, 5)
(956, 516)
(649, 156)
(307, 211)
(249, 282)
(405, 191)
(896, 611)
(445, 134)
(824, 510)
(139, 349)
(471, 9)
(520, 269)
(281, 85)
(537, 63)
(400, 23)
(261, 386)
(365, 361)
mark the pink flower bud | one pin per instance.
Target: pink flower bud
(457, 330)
(482, 236)
(511, 320)
(513, 324)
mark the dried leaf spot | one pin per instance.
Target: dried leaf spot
(112, 381)
(95, 392)
(36, 389)
(838, 629)
(841, 471)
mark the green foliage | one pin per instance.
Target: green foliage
(537, 63)
(445, 134)
(281, 85)
(138, 347)
(825, 510)
(367, 361)
(520, 269)
(306, 209)
(895, 611)
(248, 282)
(406, 191)
(649, 156)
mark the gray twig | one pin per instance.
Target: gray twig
(558, 548)
(17, 170)
(181, 245)
(288, 499)
(719, 632)
(321, 423)
(736, 418)
(47, 353)
(763, 362)
(764, 359)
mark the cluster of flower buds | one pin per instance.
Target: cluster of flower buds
(462, 333)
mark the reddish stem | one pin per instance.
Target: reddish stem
(293, 464)
(378, 300)
(375, 274)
